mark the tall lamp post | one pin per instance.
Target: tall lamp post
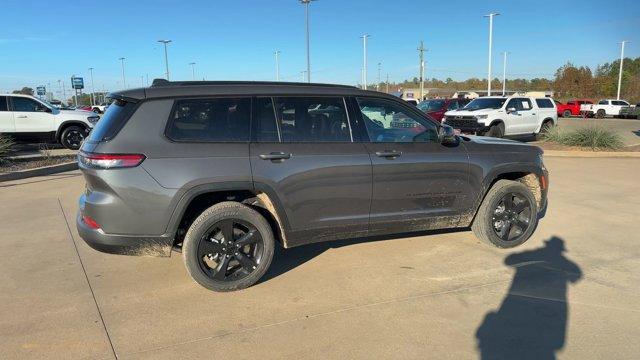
(93, 90)
(364, 60)
(193, 70)
(166, 58)
(504, 73)
(620, 72)
(124, 86)
(277, 54)
(490, 16)
(306, 21)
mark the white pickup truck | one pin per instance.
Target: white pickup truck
(498, 116)
(606, 107)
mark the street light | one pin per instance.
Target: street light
(277, 54)
(93, 90)
(378, 83)
(620, 72)
(490, 16)
(306, 21)
(302, 74)
(166, 58)
(504, 73)
(364, 60)
(193, 70)
(124, 86)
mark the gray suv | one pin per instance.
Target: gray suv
(222, 171)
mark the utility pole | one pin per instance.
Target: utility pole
(277, 54)
(147, 77)
(64, 91)
(93, 90)
(504, 73)
(193, 70)
(378, 83)
(387, 83)
(620, 72)
(166, 58)
(364, 60)
(302, 74)
(490, 16)
(421, 50)
(306, 21)
(124, 86)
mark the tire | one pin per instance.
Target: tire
(566, 113)
(72, 137)
(522, 223)
(600, 114)
(496, 130)
(544, 128)
(239, 272)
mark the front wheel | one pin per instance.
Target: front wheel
(496, 130)
(566, 113)
(72, 137)
(228, 247)
(507, 216)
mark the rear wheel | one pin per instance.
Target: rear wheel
(496, 130)
(507, 216)
(566, 113)
(72, 137)
(228, 247)
(544, 129)
(600, 114)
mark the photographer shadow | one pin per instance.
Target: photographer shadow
(531, 322)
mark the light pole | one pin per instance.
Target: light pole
(490, 16)
(302, 74)
(306, 21)
(277, 54)
(504, 73)
(421, 50)
(193, 70)
(93, 90)
(124, 86)
(364, 60)
(378, 83)
(166, 58)
(620, 72)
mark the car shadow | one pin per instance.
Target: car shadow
(285, 260)
(531, 322)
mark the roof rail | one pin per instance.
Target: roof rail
(165, 82)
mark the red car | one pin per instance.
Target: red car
(437, 107)
(572, 107)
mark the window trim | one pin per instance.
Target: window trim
(171, 120)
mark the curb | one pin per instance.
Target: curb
(592, 154)
(41, 171)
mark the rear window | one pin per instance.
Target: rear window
(544, 103)
(112, 121)
(210, 120)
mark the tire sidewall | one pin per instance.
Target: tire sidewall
(566, 113)
(201, 225)
(63, 137)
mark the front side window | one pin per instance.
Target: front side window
(312, 119)
(387, 121)
(3, 103)
(25, 104)
(603, 102)
(520, 104)
(210, 120)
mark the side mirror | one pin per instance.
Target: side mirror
(447, 135)
(511, 109)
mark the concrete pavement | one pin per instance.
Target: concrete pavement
(415, 297)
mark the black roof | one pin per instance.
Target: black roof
(162, 88)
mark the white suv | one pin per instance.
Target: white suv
(498, 116)
(26, 118)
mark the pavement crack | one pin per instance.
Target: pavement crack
(84, 271)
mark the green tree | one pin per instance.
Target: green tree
(25, 91)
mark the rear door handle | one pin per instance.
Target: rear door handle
(388, 153)
(275, 156)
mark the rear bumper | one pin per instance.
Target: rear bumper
(123, 244)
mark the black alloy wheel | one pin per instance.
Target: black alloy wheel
(72, 137)
(512, 217)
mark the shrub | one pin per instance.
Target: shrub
(594, 137)
(5, 144)
(553, 134)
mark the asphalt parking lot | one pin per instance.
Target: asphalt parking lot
(572, 289)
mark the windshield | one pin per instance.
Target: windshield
(431, 105)
(485, 103)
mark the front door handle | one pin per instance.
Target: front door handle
(22, 117)
(388, 154)
(275, 156)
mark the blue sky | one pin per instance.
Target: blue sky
(43, 41)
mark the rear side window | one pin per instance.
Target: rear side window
(210, 120)
(618, 102)
(544, 103)
(312, 119)
(112, 121)
(3, 103)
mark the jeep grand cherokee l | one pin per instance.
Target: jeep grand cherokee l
(224, 171)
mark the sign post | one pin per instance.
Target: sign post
(77, 83)
(41, 90)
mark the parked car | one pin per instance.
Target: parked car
(572, 107)
(631, 112)
(411, 101)
(437, 107)
(99, 108)
(26, 118)
(606, 107)
(498, 116)
(84, 107)
(329, 171)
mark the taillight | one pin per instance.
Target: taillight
(90, 222)
(110, 161)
